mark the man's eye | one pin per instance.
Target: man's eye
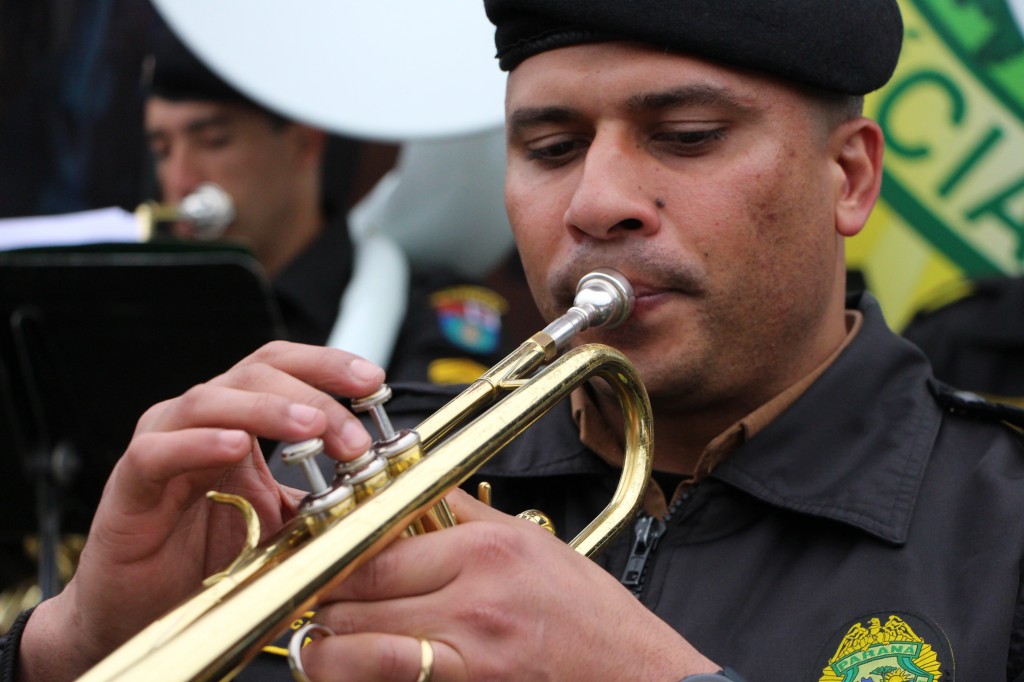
(690, 141)
(555, 152)
(215, 140)
(159, 152)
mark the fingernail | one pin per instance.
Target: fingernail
(233, 439)
(304, 414)
(364, 370)
(354, 436)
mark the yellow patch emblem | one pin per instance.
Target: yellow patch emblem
(448, 371)
(280, 646)
(882, 652)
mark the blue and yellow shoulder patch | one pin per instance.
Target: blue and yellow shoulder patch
(470, 316)
(888, 647)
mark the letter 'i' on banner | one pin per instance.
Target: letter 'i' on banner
(952, 204)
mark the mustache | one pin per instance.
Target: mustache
(645, 270)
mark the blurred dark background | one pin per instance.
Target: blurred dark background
(71, 106)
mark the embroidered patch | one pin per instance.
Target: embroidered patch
(470, 316)
(885, 647)
(447, 371)
(280, 646)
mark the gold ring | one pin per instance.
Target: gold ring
(426, 660)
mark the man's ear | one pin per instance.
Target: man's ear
(856, 147)
(311, 143)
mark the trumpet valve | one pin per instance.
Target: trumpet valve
(323, 500)
(367, 474)
(400, 449)
(374, 405)
(303, 454)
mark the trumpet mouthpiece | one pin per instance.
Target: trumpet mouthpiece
(210, 209)
(607, 296)
(604, 298)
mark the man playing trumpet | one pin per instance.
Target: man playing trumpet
(821, 509)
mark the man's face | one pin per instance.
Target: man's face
(241, 149)
(711, 189)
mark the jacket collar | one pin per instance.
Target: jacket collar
(855, 446)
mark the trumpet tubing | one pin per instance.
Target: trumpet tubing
(213, 635)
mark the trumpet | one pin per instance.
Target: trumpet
(208, 209)
(215, 633)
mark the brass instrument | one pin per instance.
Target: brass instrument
(213, 635)
(208, 209)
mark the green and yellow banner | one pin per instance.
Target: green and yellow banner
(952, 205)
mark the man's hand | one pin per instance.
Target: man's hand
(155, 536)
(498, 598)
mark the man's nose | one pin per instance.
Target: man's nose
(179, 175)
(612, 199)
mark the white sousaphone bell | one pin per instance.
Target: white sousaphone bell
(420, 74)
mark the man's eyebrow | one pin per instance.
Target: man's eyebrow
(194, 126)
(528, 117)
(698, 95)
(686, 96)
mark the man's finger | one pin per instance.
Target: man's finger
(376, 657)
(328, 369)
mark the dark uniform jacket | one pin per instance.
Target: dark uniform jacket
(872, 530)
(308, 290)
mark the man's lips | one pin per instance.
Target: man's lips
(648, 298)
(647, 290)
(652, 293)
(652, 285)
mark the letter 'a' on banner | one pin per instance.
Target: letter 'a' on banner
(952, 204)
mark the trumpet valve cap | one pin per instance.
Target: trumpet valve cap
(367, 403)
(304, 454)
(374, 404)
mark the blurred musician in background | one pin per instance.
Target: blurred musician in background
(820, 510)
(201, 129)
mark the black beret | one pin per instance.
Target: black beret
(173, 72)
(846, 46)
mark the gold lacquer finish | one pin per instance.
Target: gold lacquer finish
(215, 633)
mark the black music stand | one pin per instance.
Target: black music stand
(91, 337)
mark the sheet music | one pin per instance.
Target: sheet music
(105, 225)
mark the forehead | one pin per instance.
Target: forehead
(631, 75)
(165, 114)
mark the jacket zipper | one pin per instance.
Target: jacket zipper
(647, 531)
